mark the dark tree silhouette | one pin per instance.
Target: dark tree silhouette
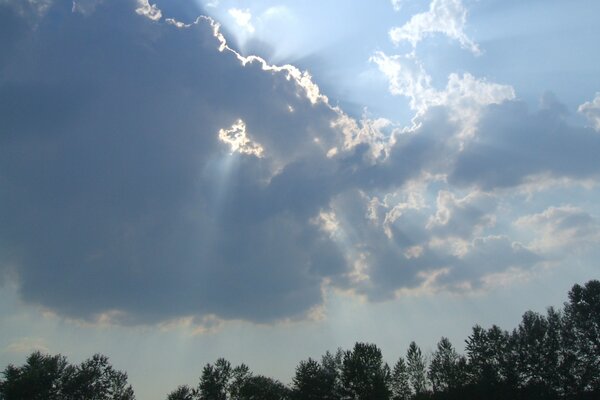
(546, 357)
(582, 315)
(263, 388)
(332, 367)
(417, 369)
(214, 382)
(46, 377)
(399, 381)
(447, 369)
(183, 392)
(364, 374)
(313, 382)
(239, 376)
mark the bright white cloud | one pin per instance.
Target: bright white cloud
(447, 17)
(407, 77)
(464, 94)
(591, 109)
(242, 18)
(150, 11)
(237, 139)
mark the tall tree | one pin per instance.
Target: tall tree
(312, 382)
(582, 337)
(492, 357)
(444, 367)
(399, 381)
(530, 338)
(183, 392)
(364, 374)
(332, 368)
(417, 369)
(260, 387)
(214, 381)
(41, 378)
(96, 379)
(239, 376)
(53, 378)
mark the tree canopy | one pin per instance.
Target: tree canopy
(551, 356)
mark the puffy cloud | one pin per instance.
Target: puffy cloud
(462, 217)
(464, 95)
(159, 175)
(513, 145)
(242, 18)
(148, 10)
(591, 109)
(561, 229)
(237, 138)
(447, 17)
(123, 199)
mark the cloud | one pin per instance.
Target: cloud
(177, 180)
(562, 229)
(464, 95)
(397, 4)
(447, 17)
(142, 213)
(242, 18)
(148, 10)
(237, 138)
(591, 109)
(27, 345)
(462, 217)
(514, 145)
(86, 7)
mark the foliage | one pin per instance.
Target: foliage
(364, 374)
(46, 377)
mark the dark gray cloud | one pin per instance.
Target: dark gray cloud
(513, 144)
(117, 193)
(119, 197)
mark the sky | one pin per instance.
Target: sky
(265, 180)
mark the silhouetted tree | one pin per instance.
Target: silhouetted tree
(53, 378)
(364, 374)
(446, 371)
(96, 379)
(332, 367)
(417, 369)
(581, 331)
(492, 358)
(533, 361)
(239, 375)
(183, 392)
(312, 382)
(41, 378)
(399, 381)
(214, 381)
(263, 388)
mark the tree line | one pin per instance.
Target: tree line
(551, 356)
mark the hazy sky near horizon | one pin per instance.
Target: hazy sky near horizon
(266, 180)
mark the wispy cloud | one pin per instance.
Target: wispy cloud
(447, 17)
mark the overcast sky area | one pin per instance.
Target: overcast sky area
(265, 180)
